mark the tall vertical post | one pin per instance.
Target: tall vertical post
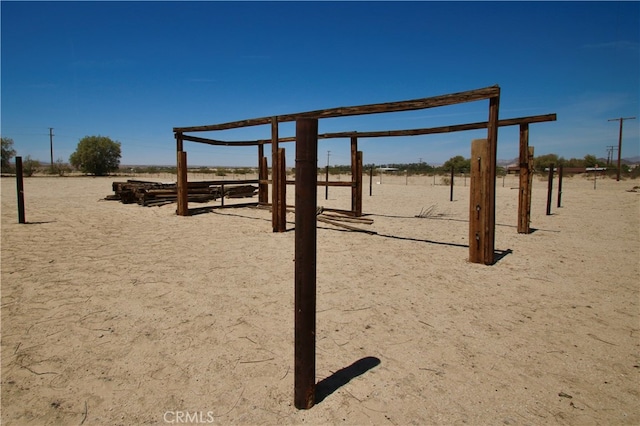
(550, 189)
(354, 174)
(358, 199)
(182, 181)
(282, 191)
(477, 208)
(20, 190)
(621, 119)
(451, 184)
(326, 179)
(619, 151)
(263, 175)
(490, 181)
(305, 262)
(275, 175)
(371, 181)
(560, 175)
(51, 145)
(524, 194)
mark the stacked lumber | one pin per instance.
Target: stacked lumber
(149, 194)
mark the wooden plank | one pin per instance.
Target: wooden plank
(408, 105)
(477, 210)
(221, 143)
(389, 133)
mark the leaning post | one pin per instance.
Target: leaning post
(305, 262)
(20, 190)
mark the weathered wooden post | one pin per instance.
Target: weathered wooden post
(326, 179)
(305, 262)
(20, 190)
(451, 184)
(560, 175)
(371, 181)
(263, 175)
(358, 198)
(550, 189)
(489, 181)
(477, 209)
(526, 174)
(275, 175)
(282, 191)
(182, 181)
(356, 178)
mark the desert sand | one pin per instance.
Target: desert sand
(118, 314)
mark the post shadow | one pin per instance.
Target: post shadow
(329, 385)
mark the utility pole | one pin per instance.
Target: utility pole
(51, 145)
(610, 149)
(621, 119)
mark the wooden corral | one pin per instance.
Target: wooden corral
(278, 179)
(481, 213)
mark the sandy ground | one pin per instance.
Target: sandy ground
(118, 314)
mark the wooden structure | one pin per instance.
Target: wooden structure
(482, 207)
(150, 194)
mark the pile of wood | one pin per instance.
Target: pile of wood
(157, 194)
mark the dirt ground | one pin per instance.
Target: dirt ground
(118, 314)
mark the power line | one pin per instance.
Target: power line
(621, 119)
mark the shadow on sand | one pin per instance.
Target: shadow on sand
(329, 385)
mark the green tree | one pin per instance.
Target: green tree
(97, 155)
(590, 160)
(7, 153)
(29, 166)
(544, 161)
(60, 168)
(459, 164)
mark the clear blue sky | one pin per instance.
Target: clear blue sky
(134, 70)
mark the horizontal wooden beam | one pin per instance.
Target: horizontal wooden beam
(389, 133)
(431, 130)
(222, 143)
(442, 129)
(409, 105)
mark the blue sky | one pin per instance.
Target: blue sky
(134, 70)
